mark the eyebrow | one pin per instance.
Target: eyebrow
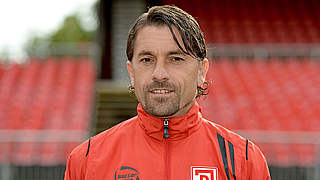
(144, 52)
(176, 52)
(150, 53)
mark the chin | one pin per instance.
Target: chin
(162, 109)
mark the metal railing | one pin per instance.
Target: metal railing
(12, 171)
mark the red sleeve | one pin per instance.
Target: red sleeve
(257, 164)
(77, 163)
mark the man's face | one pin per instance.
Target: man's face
(165, 79)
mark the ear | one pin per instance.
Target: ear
(131, 72)
(203, 69)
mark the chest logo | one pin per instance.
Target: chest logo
(126, 173)
(204, 173)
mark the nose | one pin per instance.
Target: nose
(160, 72)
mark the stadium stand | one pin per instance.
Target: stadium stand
(246, 21)
(45, 105)
(275, 102)
(45, 109)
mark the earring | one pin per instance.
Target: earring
(131, 89)
(203, 89)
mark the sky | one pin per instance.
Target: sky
(21, 18)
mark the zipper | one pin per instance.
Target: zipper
(166, 128)
(166, 146)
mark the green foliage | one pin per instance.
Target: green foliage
(71, 31)
(63, 41)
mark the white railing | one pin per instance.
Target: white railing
(42, 135)
(283, 137)
(265, 50)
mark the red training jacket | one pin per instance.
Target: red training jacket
(180, 148)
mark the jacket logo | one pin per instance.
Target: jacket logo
(204, 173)
(126, 173)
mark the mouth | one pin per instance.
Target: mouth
(161, 91)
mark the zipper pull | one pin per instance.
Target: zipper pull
(166, 128)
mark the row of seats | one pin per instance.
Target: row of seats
(45, 95)
(256, 21)
(266, 95)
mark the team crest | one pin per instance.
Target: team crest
(126, 173)
(204, 173)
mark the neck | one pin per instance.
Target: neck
(179, 125)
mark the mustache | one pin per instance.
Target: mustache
(160, 85)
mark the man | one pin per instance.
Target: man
(168, 139)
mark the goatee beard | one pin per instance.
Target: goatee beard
(161, 107)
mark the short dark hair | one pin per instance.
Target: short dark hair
(187, 26)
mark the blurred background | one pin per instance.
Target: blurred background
(63, 78)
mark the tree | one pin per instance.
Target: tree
(69, 39)
(71, 31)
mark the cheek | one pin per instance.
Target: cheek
(140, 82)
(190, 82)
(138, 77)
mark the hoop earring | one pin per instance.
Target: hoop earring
(131, 89)
(203, 89)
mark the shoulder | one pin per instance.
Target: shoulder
(77, 162)
(225, 134)
(243, 149)
(256, 161)
(109, 135)
(117, 130)
(79, 158)
(247, 147)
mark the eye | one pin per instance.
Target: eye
(177, 59)
(146, 60)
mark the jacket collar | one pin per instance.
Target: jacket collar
(179, 127)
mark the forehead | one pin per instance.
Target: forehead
(157, 38)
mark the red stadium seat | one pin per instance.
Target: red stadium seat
(39, 100)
